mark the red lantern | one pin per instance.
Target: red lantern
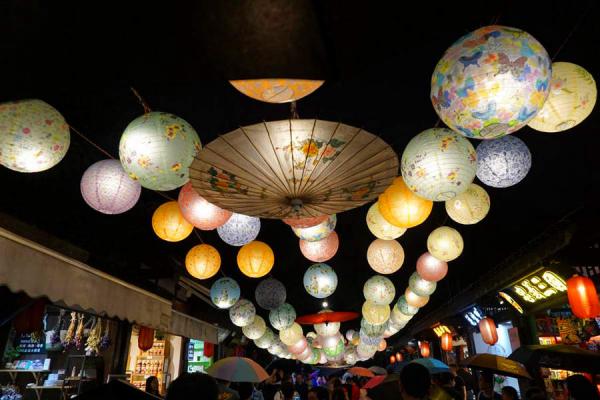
(145, 338)
(399, 357)
(392, 359)
(583, 297)
(30, 319)
(425, 350)
(487, 327)
(209, 349)
(446, 340)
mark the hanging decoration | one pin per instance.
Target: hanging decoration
(583, 298)
(242, 313)
(255, 329)
(425, 349)
(469, 207)
(239, 230)
(322, 250)
(199, 212)
(255, 259)
(431, 268)
(320, 280)
(399, 357)
(446, 342)
(291, 334)
(406, 308)
(276, 90)
(420, 286)
(318, 232)
(329, 328)
(224, 293)
(401, 207)
(413, 299)
(372, 330)
(168, 223)
(487, 328)
(265, 340)
(283, 316)
(374, 313)
(380, 227)
(503, 162)
(385, 256)
(392, 359)
(379, 289)
(299, 347)
(306, 222)
(209, 349)
(270, 294)
(445, 243)
(145, 338)
(203, 261)
(398, 318)
(382, 345)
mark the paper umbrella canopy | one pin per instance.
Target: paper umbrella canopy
(294, 168)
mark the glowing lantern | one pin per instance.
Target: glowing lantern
(256, 329)
(305, 222)
(306, 354)
(317, 232)
(370, 330)
(224, 293)
(333, 346)
(469, 207)
(414, 299)
(391, 328)
(385, 256)
(503, 162)
(583, 297)
(320, 280)
(431, 268)
(425, 349)
(446, 341)
(145, 338)
(283, 316)
(265, 340)
(321, 250)
(350, 333)
(374, 313)
(168, 223)
(157, 149)
(380, 227)
(239, 229)
(399, 357)
(107, 188)
(369, 340)
(379, 289)
(291, 334)
(350, 357)
(202, 261)
(398, 318)
(276, 90)
(571, 100)
(299, 346)
(382, 345)
(420, 286)
(487, 328)
(199, 212)
(438, 164)
(392, 359)
(270, 294)
(327, 328)
(401, 207)
(445, 243)
(491, 82)
(242, 313)
(406, 308)
(277, 348)
(35, 137)
(255, 259)
(366, 351)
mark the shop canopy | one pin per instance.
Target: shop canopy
(190, 327)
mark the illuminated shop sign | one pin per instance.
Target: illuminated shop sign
(511, 301)
(540, 286)
(474, 316)
(441, 329)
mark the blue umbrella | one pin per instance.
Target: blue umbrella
(434, 366)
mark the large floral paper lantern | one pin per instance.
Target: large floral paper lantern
(242, 313)
(317, 232)
(491, 82)
(202, 261)
(431, 268)
(256, 329)
(385, 256)
(168, 223)
(469, 207)
(291, 334)
(375, 314)
(270, 294)
(401, 207)
(572, 98)
(265, 340)
(322, 250)
(413, 299)
(282, 90)
(503, 162)
(239, 229)
(379, 289)
(371, 330)
(199, 212)
(445, 243)
(379, 226)
(255, 259)
(420, 286)
(306, 222)
(34, 136)
(406, 308)
(446, 342)
(583, 297)
(327, 328)
(320, 280)
(399, 318)
(283, 316)
(438, 164)
(106, 187)
(225, 292)
(157, 149)
(487, 328)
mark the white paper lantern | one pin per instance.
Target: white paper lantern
(270, 294)
(239, 229)
(317, 232)
(256, 329)
(445, 243)
(469, 207)
(283, 316)
(277, 348)
(242, 313)
(374, 313)
(391, 328)
(373, 331)
(379, 289)
(351, 357)
(198, 211)
(320, 280)
(398, 318)
(265, 340)
(406, 308)
(321, 250)
(420, 286)
(366, 351)
(225, 292)
(291, 334)
(503, 162)
(327, 328)
(385, 256)
(380, 227)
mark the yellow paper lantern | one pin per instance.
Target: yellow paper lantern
(445, 243)
(385, 256)
(375, 314)
(401, 207)
(571, 100)
(380, 227)
(469, 207)
(255, 259)
(256, 329)
(202, 261)
(276, 90)
(291, 334)
(168, 223)
(413, 299)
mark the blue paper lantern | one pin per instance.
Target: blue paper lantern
(239, 230)
(503, 162)
(320, 280)
(225, 292)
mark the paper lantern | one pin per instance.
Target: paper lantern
(209, 349)
(385, 256)
(317, 232)
(350, 333)
(406, 308)
(255, 259)
(382, 345)
(277, 348)
(242, 313)
(306, 355)
(255, 329)
(327, 328)
(371, 330)
(145, 338)
(320, 280)
(425, 349)
(35, 137)
(399, 357)
(401, 207)
(224, 293)
(571, 100)
(107, 188)
(199, 212)
(438, 164)
(503, 162)
(379, 289)
(265, 340)
(321, 250)
(366, 351)
(305, 222)
(270, 294)
(333, 346)
(374, 313)
(291, 334)
(299, 346)
(445, 244)
(380, 227)
(414, 299)
(583, 297)
(350, 357)
(276, 90)
(239, 229)
(369, 340)
(283, 316)
(431, 268)
(487, 328)
(398, 318)
(202, 261)
(391, 329)
(491, 82)
(168, 223)
(157, 149)
(446, 341)
(420, 286)
(392, 359)
(469, 207)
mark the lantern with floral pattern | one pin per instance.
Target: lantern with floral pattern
(385, 256)
(242, 313)
(445, 243)
(239, 229)
(224, 293)
(199, 212)
(380, 227)
(203, 261)
(320, 280)
(469, 207)
(379, 289)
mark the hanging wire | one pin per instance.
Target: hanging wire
(198, 235)
(141, 100)
(576, 26)
(100, 149)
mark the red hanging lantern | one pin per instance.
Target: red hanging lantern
(446, 340)
(425, 349)
(209, 349)
(583, 297)
(489, 334)
(392, 359)
(145, 338)
(399, 357)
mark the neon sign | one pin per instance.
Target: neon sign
(539, 287)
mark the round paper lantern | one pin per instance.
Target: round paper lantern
(283, 316)
(327, 328)
(571, 100)
(202, 261)
(333, 346)
(168, 223)
(425, 349)
(380, 227)
(35, 137)
(445, 243)
(487, 328)
(317, 232)
(305, 222)
(306, 354)
(370, 340)
(365, 350)
(431, 268)
(399, 357)
(320, 280)
(277, 348)
(350, 333)
(276, 90)
(420, 286)
(392, 359)
(374, 313)
(299, 346)
(225, 292)
(291, 334)
(391, 328)
(270, 294)
(491, 82)
(255, 259)
(256, 329)
(265, 340)
(379, 289)
(370, 330)
(242, 313)
(106, 187)
(401, 207)
(405, 308)
(382, 345)
(239, 229)
(414, 299)
(321, 250)
(503, 162)
(583, 297)
(446, 341)
(469, 207)
(398, 318)
(385, 256)
(351, 357)
(438, 164)
(199, 212)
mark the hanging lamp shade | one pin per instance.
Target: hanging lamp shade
(145, 338)
(406, 308)
(446, 341)
(321, 250)
(265, 340)
(425, 349)
(571, 100)
(420, 286)
(445, 243)
(242, 313)
(276, 90)
(487, 328)
(503, 162)
(299, 346)
(203, 261)
(306, 222)
(168, 223)
(225, 292)
(413, 299)
(255, 259)
(469, 207)
(385, 256)
(379, 289)
(256, 329)
(199, 212)
(291, 334)
(491, 82)
(318, 232)
(270, 294)
(239, 230)
(379, 226)
(374, 313)
(283, 316)
(401, 207)
(320, 280)
(583, 297)
(431, 268)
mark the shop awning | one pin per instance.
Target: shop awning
(192, 328)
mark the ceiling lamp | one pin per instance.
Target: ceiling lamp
(503, 162)
(276, 90)
(265, 340)
(255, 259)
(306, 222)
(225, 292)
(322, 250)
(320, 280)
(283, 316)
(491, 82)
(414, 299)
(270, 294)
(583, 297)
(379, 225)
(431, 268)
(107, 188)
(489, 334)
(242, 313)
(571, 100)
(401, 207)
(385, 256)
(469, 207)
(168, 223)
(203, 261)
(379, 289)
(445, 243)
(420, 286)
(374, 313)
(256, 329)
(35, 136)
(199, 212)
(239, 230)
(318, 232)
(292, 334)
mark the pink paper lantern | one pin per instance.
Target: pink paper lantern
(430, 268)
(321, 250)
(298, 347)
(199, 212)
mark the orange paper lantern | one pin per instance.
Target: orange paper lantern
(382, 345)
(489, 334)
(203, 261)
(446, 341)
(392, 359)
(255, 259)
(399, 357)
(401, 207)
(413, 299)
(168, 223)
(583, 297)
(276, 90)
(425, 349)
(145, 338)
